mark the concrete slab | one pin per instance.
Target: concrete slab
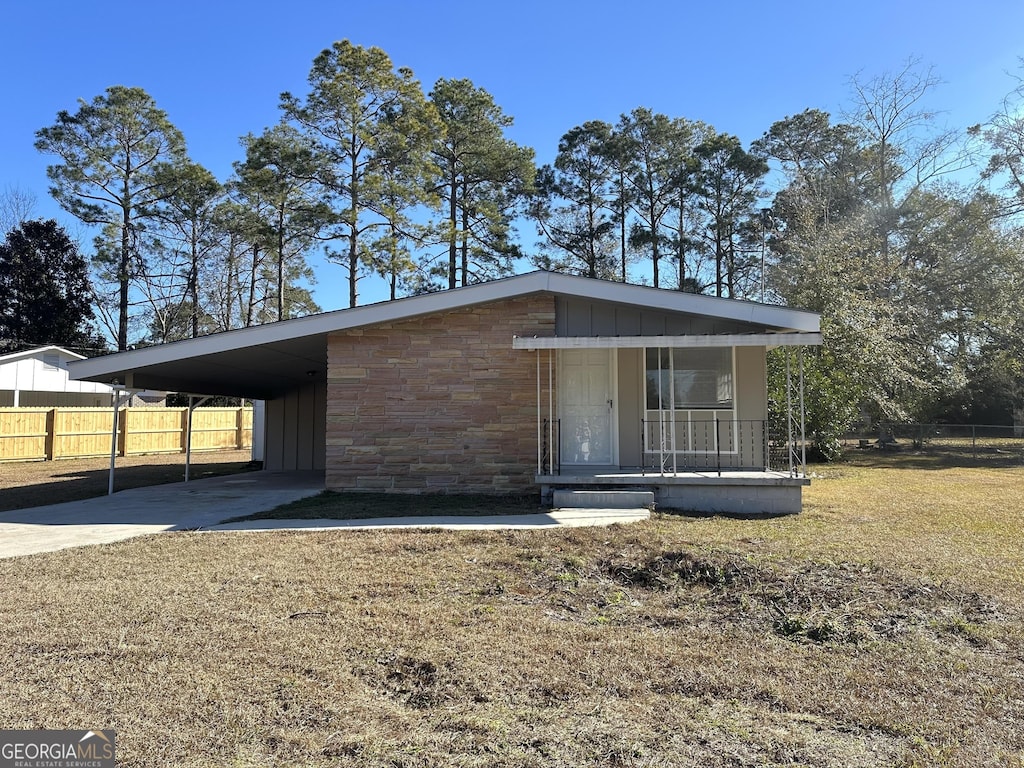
(202, 504)
(556, 518)
(140, 511)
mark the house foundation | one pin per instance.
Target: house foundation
(753, 494)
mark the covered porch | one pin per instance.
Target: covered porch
(684, 417)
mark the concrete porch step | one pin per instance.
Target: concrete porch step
(566, 499)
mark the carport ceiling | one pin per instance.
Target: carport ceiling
(261, 372)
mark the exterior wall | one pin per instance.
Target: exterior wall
(631, 406)
(751, 407)
(295, 430)
(437, 404)
(751, 384)
(583, 317)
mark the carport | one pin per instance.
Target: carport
(284, 364)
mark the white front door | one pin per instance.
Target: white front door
(586, 403)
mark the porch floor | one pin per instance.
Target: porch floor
(731, 492)
(634, 477)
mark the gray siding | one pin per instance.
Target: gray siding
(751, 388)
(631, 405)
(296, 436)
(581, 317)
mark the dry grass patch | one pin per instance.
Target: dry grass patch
(334, 505)
(857, 634)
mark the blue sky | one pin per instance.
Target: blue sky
(218, 67)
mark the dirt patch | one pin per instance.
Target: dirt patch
(818, 602)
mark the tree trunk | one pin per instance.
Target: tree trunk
(193, 283)
(453, 221)
(681, 250)
(622, 223)
(252, 286)
(123, 271)
(465, 239)
(280, 262)
(655, 254)
(353, 240)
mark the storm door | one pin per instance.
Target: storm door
(586, 406)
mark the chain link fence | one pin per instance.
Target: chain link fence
(981, 443)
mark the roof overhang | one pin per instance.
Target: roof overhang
(637, 342)
(266, 361)
(38, 352)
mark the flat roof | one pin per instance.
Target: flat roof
(266, 361)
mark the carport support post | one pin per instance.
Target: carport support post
(192, 405)
(113, 436)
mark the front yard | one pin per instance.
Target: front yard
(881, 627)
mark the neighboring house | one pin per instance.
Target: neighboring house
(38, 378)
(529, 383)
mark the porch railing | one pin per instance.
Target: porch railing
(551, 462)
(718, 444)
(737, 445)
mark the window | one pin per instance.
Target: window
(51, 361)
(689, 378)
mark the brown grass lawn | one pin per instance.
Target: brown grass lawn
(882, 627)
(35, 483)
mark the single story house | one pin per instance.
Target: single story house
(530, 383)
(38, 378)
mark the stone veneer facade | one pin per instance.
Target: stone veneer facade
(437, 404)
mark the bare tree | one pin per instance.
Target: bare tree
(910, 148)
(16, 205)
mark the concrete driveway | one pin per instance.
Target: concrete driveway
(205, 503)
(138, 511)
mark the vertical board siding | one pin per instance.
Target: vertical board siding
(295, 424)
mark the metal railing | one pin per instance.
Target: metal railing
(718, 444)
(551, 464)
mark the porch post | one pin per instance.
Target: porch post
(661, 418)
(789, 412)
(540, 434)
(551, 415)
(803, 417)
(672, 406)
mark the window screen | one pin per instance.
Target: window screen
(689, 378)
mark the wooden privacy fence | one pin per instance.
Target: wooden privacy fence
(74, 433)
